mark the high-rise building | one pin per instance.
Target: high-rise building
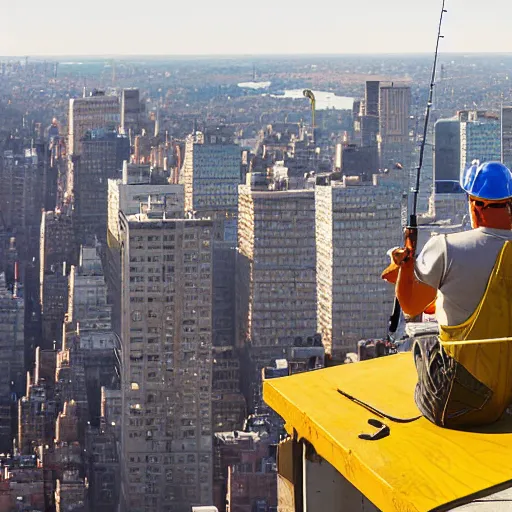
(370, 119)
(131, 110)
(355, 222)
(276, 275)
(359, 161)
(57, 240)
(136, 186)
(102, 157)
(166, 326)
(211, 175)
(57, 252)
(89, 311)
(104, 469)
(480, 139)
(228, 404)
(54, 302)
(506, 136)
(447, 149)
(52, 152)
(371, 98)
(19, 206)
(451, 204)
(37, 410)
(394, 112)
(89, 113)
(12, 356)
(88, 293)
(369, 131)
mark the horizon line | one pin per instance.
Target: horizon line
(239, 55)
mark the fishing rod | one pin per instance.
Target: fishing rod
(412, 224)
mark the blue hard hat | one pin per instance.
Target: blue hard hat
(491, 181)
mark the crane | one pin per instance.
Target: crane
(308, 93)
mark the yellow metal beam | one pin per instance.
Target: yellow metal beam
(418, 467)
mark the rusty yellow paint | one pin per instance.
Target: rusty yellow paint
(419, 466)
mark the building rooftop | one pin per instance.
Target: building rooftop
(417, 466)
(142, 220)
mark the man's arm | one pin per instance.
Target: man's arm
(413, 295)
(420, 278)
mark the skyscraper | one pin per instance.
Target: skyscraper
(506, 136)
(12, 357)
(355, 220)
(480, 139)
(276, 275)
(131, 109)
(19, 205)
(394, 111)
(90, 113)
(447, 149)
(125, 196)
(57, 252)
(103, 153)
(371, 98)
(166, 440)
(211, 175)
(370, 119)
(369, 131)
(359, 161)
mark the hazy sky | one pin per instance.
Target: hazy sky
(179, 27)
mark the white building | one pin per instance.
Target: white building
(87, 302)
(211, 174)
(125, 196)
(166, 332)
(276, 273)
(394, 112)
(356, 223)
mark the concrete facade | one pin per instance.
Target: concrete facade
(166, 331)
(89, 113)
(276, 275)
(480, 140)
(394, 112)
(125, 196)
(12, 350)
(103, 153)
(210, 176)
(356, 222)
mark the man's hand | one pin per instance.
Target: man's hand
(400, 255)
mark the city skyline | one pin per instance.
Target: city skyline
(174, 238)
(222, 31)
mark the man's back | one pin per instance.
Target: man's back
(459, 266)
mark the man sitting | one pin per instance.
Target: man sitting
(465, 377)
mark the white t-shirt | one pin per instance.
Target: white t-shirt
(458, 265)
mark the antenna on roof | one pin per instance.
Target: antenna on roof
(413, 219)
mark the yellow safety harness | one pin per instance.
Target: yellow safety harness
(483, 343)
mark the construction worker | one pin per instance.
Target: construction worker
(465, 376)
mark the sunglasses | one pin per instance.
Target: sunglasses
(484, 204)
